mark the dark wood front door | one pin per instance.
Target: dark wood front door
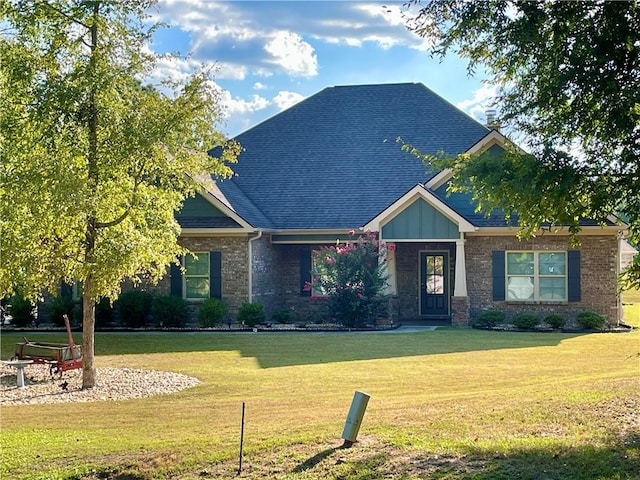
(434, 284)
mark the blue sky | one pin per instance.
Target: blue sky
(270, 55)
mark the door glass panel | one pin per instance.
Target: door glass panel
(435, 274)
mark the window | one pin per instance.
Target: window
(536, 276)
(318, 272)
(434, 282)
(196, 276)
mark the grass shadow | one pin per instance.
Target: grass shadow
(289, 349)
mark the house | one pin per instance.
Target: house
(331, 164)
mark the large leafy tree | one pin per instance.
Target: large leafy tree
(95, 160)
(568, 78)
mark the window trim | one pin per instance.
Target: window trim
(185, 276)
(536, 276)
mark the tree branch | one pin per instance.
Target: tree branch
(64, 14)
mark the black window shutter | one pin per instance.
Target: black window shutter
(215, 274)
(499, 281)
(66, 289)
(176, 279)
(305, 272)
(573, 275)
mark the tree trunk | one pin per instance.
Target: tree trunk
(89, 297)
(88, 328)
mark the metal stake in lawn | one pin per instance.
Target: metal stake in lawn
(241, 440)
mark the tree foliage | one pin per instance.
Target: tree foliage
(568, 78)
(353, 277)
(95, 160)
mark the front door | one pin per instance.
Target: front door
(434, 284)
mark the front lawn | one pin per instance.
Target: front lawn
(448, 404)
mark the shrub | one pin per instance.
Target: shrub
(59, 306)
(489, 318)
(526, 320)
(283, 315)
(555, 320)
(104, 312)
(21, 311)
(251, 314)
(170, 311)
(212, 312)
(134, 306)
(590, 320)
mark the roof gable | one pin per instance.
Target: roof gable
(207, 211)
(437, 218)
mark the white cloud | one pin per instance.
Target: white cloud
(239, 106)
(291, 52)
(259, 86)
(285, 99)
(482, 100)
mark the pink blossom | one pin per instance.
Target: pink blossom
(352, 233)
(392, 247)
(307, 287)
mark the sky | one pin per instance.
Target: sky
(269, 55)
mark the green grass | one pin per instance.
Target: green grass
(631, 307)
(448, 404)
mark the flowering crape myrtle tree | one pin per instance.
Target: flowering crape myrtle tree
(353, 276)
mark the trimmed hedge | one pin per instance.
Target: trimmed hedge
(489, 319)
(526, 320)
(212, 312)
(134, 307)
(555, 320)
(251, 314)
(170, 311)
(591, 320)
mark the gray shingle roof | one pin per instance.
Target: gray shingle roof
(332, 160)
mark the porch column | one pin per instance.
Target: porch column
(460, 287)
(391, 287)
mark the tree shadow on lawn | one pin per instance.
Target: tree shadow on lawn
(615, 462)
(290, 349)
(274, 351)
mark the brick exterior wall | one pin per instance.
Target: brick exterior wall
(598, 275)
(275, 277)
(235, 269)
(288, 283)
(265, 279)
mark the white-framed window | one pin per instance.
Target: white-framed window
(196, 279)
(536, 276)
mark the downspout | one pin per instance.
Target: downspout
(251, 240)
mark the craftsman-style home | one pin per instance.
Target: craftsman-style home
(331, 164)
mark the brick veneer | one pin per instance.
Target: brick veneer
(235, 267)
(276, 276)
(598, 275)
